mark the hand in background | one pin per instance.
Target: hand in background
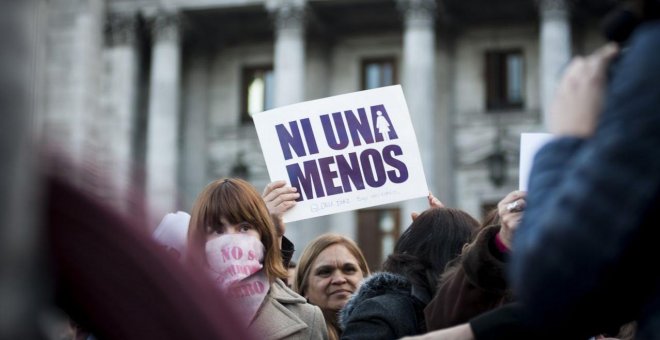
(510, 209)
(279, 198)
(578, 101)
(433, 203)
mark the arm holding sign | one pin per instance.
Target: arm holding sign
(279, 198)
(510, 209)
(433, 203)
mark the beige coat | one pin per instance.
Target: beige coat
(286, 315)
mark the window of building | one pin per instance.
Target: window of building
(504, 80)
(378, 231)
(378, 73)
(257, 91)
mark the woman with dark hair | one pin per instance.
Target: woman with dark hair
(390, 304)
(475, 282)
(232, 235)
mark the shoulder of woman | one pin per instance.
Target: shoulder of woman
(283, 298)
(283, 294)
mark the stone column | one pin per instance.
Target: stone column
(555, 47)
(289, 68)
(163, 117)
(85, 78)
(419, 86)
(23, 289)
(120, 106)
(195, 124)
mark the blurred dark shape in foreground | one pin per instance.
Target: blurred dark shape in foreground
(62, 248)
(113, 280)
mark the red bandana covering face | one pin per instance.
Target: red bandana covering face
(235, 264)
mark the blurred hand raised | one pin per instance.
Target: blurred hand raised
(578, 101)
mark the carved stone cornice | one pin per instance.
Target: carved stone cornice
(121, 28)
(418, 13)
(165, 25)
(287, 13)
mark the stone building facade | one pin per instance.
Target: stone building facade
(157, 93)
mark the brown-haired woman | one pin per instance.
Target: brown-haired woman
(231, 233)
(329, 271)
(475, 283)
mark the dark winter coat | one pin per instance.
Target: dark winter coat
(385, 307)
(475, 283)
(592, 221)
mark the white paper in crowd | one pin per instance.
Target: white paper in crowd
(530, 143)
(344, 152)
(172, 233)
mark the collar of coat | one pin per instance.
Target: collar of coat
(274, 320)
(280, 292)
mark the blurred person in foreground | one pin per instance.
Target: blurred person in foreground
(330, 270)
(232, 235)
(115, 282)
(593, 213)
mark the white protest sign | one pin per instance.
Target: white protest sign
(344, 152)
(530, 143)
(172, 233)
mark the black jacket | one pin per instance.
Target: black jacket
(385, 307)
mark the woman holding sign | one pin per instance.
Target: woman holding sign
(232, 235)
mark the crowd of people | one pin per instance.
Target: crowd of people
(561, 261)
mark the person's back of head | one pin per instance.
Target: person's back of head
(619, 24)
(433, 239)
